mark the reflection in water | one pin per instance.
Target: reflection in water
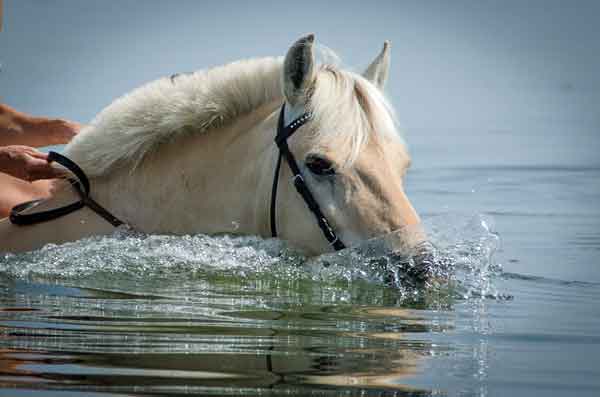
(223, 316)
(81, 340)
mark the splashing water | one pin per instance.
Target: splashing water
(460, 253)
(469, 244)
(250, 308)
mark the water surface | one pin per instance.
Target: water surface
(225, 315)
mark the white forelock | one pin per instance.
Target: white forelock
(346, 105)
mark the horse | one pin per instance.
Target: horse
(196, 154)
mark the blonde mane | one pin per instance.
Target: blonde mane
(158, 111)
(134, 124)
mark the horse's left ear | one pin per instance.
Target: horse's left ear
(299, 70)
(377, 72)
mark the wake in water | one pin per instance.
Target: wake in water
(459, 259)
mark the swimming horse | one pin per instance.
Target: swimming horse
(279, 147)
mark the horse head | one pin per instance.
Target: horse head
(349, 151)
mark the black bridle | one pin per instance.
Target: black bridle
(283, 133)
(81, 185)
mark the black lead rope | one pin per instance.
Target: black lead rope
(81, 184)
(283, 133)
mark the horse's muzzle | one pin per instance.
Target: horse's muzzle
(414, 270)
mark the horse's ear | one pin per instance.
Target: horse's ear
(377, 72)
(299, 70)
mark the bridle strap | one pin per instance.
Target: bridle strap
(274, 197)
(81, 185)
(283, 133)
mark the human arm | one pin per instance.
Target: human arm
(17, 128)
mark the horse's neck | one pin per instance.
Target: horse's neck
(215, 182)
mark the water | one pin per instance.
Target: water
(133, 314)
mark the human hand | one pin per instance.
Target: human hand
(17, 128)
(26, 163)
(59, 131)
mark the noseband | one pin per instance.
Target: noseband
(283, 133)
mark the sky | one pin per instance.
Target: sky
(491, 81)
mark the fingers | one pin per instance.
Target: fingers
(62, 131)
(40, 169)
(37, 155)
(26, 150)
(74, 127)
(28, 164)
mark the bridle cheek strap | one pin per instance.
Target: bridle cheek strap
(283, 133)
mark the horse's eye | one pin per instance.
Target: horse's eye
(319, 165)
